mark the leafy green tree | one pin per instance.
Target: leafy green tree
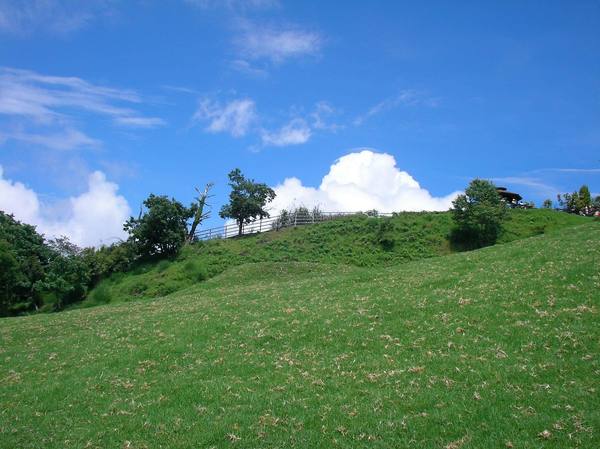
(10, 277)
(68, 275)
(247, 200)
(585, 200)
(106, 260)
(160, 231)
(478, 214)
(579, 202)
(547, 204)
(23, 261)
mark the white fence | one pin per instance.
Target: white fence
(298, 218)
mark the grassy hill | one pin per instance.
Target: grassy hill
(351, 241)
(485, 349)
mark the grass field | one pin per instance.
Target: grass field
(350, 241)
(486, 349)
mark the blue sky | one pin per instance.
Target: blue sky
(103, 102)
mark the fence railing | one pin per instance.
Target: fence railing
(284, 220)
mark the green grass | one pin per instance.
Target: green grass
(487, 349)
(350, 241)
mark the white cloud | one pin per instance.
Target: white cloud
(319, 116)
(244, 66)
(235, 117)
(37, 101)
(91, 218)
(256, 42)
(234, 4)
(23, 17)
(295, 132)
(62, 140)
(406, 97)
(535, 184)
(17, 199)
(361, 181)
(584, 171)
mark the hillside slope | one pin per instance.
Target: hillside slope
(492, 348)
(350, 241)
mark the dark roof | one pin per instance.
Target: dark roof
(510, 196)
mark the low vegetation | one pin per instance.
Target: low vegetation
(361, 241)
(491, 348)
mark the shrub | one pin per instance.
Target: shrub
(162, 265)
(384, 235)
(195, 270)
(101, 295)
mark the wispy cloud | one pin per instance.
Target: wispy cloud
(24, 17)
(234, 4)
(275, 44)
(536, 184)
(583, 171)
(406, 97)
(239, 117)
(320, 117)
(241, 65)
(235, 117)
(35, 101)
(63, 140)
(295, 132)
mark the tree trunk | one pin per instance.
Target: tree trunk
(200, 215)
(240, 227)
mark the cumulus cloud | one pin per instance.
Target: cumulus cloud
(276, 44)
(92, 218)
(295, 132)
(361, 181)
(42, 106)
(235, 117)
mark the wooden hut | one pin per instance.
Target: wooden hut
(511, 198)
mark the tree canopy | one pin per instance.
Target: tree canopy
(579, 202)
(247, 200)
(162, 229)
(479, 213)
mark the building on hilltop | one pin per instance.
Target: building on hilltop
(511, 198)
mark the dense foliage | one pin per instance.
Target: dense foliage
(247, 200)
(24, 261)
(478, 214)
(579, 202)
(40, 274)
(161, 230)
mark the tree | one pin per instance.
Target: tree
(547, 204)
(68, 275)
(160, 231)
(23, 262)
(479, 213)
(579, 202)
(199, 215)
(247, 200)
(585, 200)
